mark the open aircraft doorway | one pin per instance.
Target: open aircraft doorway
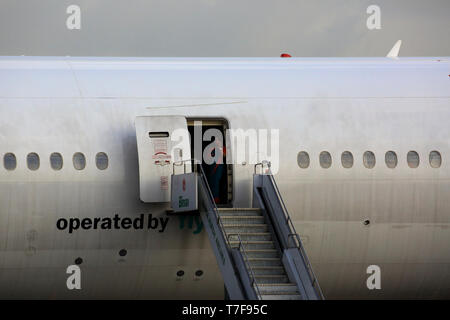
(208, 131)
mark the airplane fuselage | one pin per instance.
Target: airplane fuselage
(390, 210)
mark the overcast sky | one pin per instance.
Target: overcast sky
(224, 28)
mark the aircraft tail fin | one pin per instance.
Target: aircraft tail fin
(395, 50)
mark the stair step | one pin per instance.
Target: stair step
(245, 228)
(277, 288)
(240, 212)
(255, 236)
(263, 253)
(238, 220)
(264, 262)
(252, 244)
(272, 278)
(281, 297)
(267, 270)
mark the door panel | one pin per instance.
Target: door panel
(161, 140)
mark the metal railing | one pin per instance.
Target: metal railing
(211, 197)
(253, 283)
(293, 234)
(218, 219)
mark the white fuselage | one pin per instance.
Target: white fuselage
(89, 105)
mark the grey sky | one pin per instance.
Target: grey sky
(224, 28)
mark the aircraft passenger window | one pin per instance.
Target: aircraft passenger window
(9, 161)
(347, 159)
(325, 159)
(435, 159)
(33, 161)
(369, 159)
(413, 159)
(56, 161)
(303, 160)
(101, 160)
(79, 161)
(391, 159)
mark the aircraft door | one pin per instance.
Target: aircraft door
(161, 140)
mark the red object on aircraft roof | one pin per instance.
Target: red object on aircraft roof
(285, 55)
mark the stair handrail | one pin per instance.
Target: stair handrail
(216, 212)
(288, 220)
(249, 267)
(211, 197)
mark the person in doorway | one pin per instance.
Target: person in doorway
(215, 171)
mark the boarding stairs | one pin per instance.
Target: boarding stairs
(258, 251)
